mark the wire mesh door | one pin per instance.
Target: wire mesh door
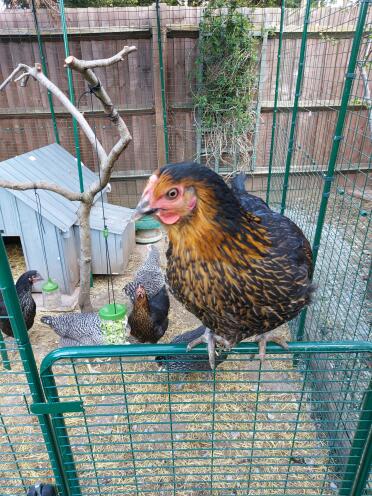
(247, 428)
(320, 158)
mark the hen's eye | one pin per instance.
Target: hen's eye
(172, 193)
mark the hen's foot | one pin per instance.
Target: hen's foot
(262, 341)
(210, 339)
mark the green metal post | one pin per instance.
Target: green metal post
(337, 137)
(162, 82)
(276, 94)
(67, 458)
(301, 67)
(45, 72)
(3, 352)
(356, 473)
(20, 333)
(364, 468)
(72, 93)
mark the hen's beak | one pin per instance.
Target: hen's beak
(143, 208)
(37, 277)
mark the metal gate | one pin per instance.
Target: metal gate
(252, 429)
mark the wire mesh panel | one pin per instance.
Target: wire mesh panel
(246, 428)
(30, 120)
(305, 162)
(29, 454)
(24, 457)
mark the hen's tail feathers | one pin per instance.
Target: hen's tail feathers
(47, 319)
(238, 183)
(129, 290)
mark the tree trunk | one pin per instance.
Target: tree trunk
(85, 256)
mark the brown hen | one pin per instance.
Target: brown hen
(241, 268)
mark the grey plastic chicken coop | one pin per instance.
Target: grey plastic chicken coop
(57, 223)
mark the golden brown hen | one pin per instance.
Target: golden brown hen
(241, 268)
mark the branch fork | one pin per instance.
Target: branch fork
(106, 161)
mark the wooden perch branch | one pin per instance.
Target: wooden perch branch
(106, 162)
(70, 195)
(85, 68)
(82, 65)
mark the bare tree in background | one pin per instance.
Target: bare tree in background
(21, 74)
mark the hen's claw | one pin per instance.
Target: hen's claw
(262, 341)
(210, 339)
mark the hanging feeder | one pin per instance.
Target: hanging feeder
(114, 322)
(148, 230)
(52, 298)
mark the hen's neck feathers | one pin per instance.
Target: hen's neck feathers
(219, 227)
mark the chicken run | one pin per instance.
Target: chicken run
(78, 417)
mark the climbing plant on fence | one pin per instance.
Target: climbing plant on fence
(226, 88)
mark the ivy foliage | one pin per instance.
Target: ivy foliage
(227, 63)
(227, 76)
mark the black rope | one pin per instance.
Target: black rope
(41, 228)
(110, 281)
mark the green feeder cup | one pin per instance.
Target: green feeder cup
(114, 322)
(52, 299)
(148, 230)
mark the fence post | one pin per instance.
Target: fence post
(159, 90)
(28, 360)
(43, 65)
(275, 110)
(337, 137)
(357, 468)
(301, 67)
(72, 94)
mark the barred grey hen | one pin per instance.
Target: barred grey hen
(189, 362)
(76, 329)
(148, 319)
(149, 275)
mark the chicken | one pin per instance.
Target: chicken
(148, 319)
(191, 363)
(241, 268)
(27, 303)
(41, 490)
(76, 329)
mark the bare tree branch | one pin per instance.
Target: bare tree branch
(82, 65)
(70, 195)
(85, 68)
(37, 74)
(11, 76)
(106, 162)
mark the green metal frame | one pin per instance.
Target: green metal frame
(337, 137)
(357, 470)
(301, 67)
(355, 474)
(276, 95)
(45, 72)
(72, 93)
(25, 351)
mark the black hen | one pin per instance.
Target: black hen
(148, 320)
(41, 490)
(189, 362)
(28, 305)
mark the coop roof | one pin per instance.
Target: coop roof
(117, 217)
(52, 164)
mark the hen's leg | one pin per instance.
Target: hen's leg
(210, 339)
(263, 339)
